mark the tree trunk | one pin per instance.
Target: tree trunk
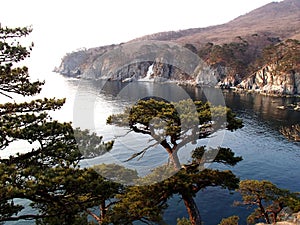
(276, 212)
(263, 211)
(172, 154)
(102, 210)
(192, 209)
(175, 160)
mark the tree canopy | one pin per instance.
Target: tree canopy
(45, 175)
(267, 199)
(173, 125)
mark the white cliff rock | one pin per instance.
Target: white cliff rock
(271, 80)
(205, 75)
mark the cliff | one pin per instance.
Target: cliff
(270, 80)
(243, 52)
(280, 73)
(147, 61)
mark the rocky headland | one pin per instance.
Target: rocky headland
(259, 51)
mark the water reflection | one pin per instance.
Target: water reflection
(267, 154)
(264, 107)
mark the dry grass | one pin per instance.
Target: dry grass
(274, 20)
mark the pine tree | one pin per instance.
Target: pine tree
(46, 173)
(173, 130)
(267, 199)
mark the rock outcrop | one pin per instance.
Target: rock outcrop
(253, 52)
(271, 81)
(281, 72)
(290, 219)
(76, 63)
(152, 61)
(160, 61)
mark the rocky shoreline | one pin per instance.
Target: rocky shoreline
(261, 92)
(169, 62)
(289, 219)
(266, 81)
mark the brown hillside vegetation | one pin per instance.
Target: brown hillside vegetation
(234, 51)
(237, 46)
(276, 19)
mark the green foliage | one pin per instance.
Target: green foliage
(148, 199)
(232, 220)
(219, 155)
(79, 190)
(268, 199)
(139, 203)
(78, 219)
(183, 122)
(90, 144)
(15, 80)
(173, 114)
(293, 201)
(46, 175)
(174, 125)
(183, 221)
(117, 173)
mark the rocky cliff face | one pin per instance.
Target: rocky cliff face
(152, 61)
(281, 71)
(166, 61)
(248, 51)
(114, 63)
(272, 81)
(76, 63)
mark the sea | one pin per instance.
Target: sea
(267, 155)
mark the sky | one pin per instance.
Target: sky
(62, 26)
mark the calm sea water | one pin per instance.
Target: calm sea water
(266, 153)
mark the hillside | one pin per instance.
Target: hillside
(232, 53)
(279, 71)
(276, 19)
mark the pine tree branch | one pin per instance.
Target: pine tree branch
(5, 95)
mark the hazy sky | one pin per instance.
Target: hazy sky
(61, 26)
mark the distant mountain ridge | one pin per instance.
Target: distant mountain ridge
(240, 53)
(278, 19)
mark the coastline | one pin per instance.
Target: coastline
(191, 83)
